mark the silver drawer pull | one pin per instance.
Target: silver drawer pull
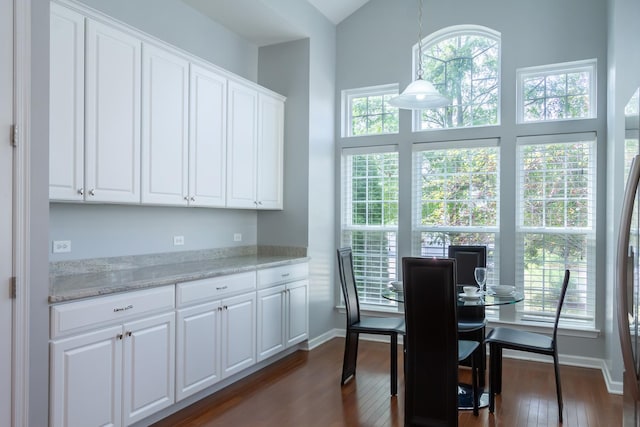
(286, 275)
(221, 288)
(117, 309)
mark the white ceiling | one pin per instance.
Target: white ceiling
(261, 24)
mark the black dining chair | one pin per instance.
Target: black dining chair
(357, 324)
(432, 346)
(507, 338)
(471, 319)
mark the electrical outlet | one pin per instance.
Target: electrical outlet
(178, 240)
(237, 237)
(61, 246)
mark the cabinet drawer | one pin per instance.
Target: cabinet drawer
(209, 289)
(286, 273)
(79, 315)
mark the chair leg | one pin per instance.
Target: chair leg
(498, 369)
(474, 382)
(492, 376)
(394, 364)
(558, 386)
(350, 356)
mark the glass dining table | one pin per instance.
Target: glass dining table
(486, 299)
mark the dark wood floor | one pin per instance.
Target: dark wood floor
(304, 390)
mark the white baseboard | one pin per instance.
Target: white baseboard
(613, 387)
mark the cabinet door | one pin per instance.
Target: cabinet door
(297, 312)
(238, 333)
(197, 348)
(165, 108)
(149, 366)
(271, 317)
(241, 148)
(207, 138)
(112, 115)
(86, 379)
(270, 152)
(66, 105)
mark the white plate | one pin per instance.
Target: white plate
(395, 286)
(501, 294)
(470, 297)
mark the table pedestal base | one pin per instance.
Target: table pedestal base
(465, 397)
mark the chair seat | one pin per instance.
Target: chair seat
(468, 326)
(520, 340)
(379, 325)
(466, 348)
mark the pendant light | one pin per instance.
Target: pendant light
(420, 94)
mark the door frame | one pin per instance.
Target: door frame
(21, 209)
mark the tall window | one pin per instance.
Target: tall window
(456, 193)
(463, 63)
(556, 225)
(370, 218)
(366, 111)
(557, 92)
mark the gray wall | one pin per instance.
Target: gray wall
(182, 26)
(624, 78)
(38, 280)
(374, 47)
(97, 231)
(310, 164)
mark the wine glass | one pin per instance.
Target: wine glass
(480, 274)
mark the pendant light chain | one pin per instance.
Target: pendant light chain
(419, 71)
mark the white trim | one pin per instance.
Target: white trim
(557, 138)
(22, 210)
(371, 149)
(455, 144)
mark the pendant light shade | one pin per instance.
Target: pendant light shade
(420, 94)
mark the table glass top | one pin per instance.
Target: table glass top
(486, 299)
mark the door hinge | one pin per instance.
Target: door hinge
(14, 287)
(15, 135)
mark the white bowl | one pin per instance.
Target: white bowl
(470, 290)
(396, 285)
(502, 289)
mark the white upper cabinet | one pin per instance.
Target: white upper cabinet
(207, 138)
(255, 150)
(66, 102)
(270, 152)
(242, 156)
(112, 114)
(165, 137)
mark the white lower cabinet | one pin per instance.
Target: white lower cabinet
(282, 309)
(115, 375)
(216, 330)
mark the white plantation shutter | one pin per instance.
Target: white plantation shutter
(555, 225)
(369, 218)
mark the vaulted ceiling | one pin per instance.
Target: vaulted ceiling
(258, 22)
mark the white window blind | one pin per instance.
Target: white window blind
(456, 198)
(370, 218)
(556, 225)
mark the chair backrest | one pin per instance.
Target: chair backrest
(348, 282)
(431, 380)
(563, 293)
(467, 259)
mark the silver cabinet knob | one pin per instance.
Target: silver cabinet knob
(92, 192)
(193, 199)
(81, 191)
(186, 199)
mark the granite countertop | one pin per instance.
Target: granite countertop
(87, 278)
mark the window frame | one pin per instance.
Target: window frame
(586, 322)
(446, 33)
(417, 229)
(590, 65)
(347, 226)
(347, 111)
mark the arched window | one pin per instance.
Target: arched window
(463, 63)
